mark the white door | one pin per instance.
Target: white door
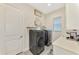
(13, 30)
(2, 21)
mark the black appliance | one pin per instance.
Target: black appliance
(48, 38)
(36, 41)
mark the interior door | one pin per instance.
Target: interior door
(2, 21)
(13, 30)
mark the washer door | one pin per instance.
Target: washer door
(41, 42)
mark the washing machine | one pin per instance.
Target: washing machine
(36, 41)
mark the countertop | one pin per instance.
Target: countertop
(67, 44)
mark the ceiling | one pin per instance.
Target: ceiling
(47, 8)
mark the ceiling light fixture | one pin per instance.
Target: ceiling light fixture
(49, 4)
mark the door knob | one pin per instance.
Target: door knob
(21, 36)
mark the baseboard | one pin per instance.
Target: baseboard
(26, 49)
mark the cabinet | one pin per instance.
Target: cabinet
(72, 16)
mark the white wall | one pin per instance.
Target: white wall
(49, 22)
(72, 16)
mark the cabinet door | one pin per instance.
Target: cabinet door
(13, 30)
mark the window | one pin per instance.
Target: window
(57, 24)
